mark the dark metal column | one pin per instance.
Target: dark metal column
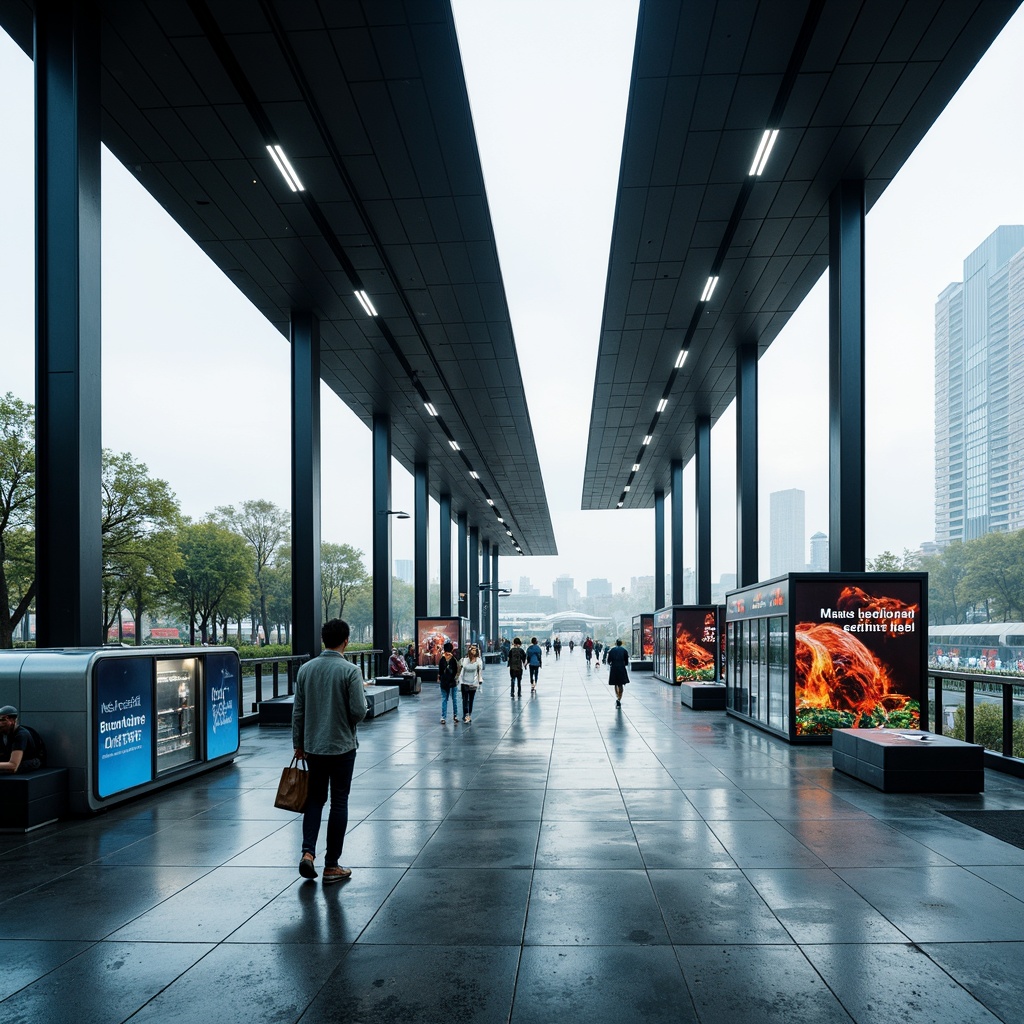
(659, 549)
(307, 600)
(474, 583)
(846, 501)
(486, 590)
(68, 339)
(445, 604)
(463, 525)
(381, 532)
(494, 604)
(421, 548)
(677, 531)
(746, 466)
(702, 431)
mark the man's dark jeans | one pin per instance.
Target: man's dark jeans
(334, 770)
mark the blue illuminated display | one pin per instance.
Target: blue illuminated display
(222, 703)
(123, 722)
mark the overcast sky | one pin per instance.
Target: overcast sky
(195, 382)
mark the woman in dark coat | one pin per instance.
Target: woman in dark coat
(618, 660)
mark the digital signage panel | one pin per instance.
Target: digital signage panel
(643, 637)
(220, 677)
(432, 635)
(123, 723)
(696, 644)
(858, 653)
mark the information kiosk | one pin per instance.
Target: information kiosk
(643, 643)
(688, 653)
(811, 652)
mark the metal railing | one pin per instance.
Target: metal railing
(1006, 692)
(369, 663)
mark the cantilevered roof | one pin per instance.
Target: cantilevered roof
(852, 86)
(369, 103)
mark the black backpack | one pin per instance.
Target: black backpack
(40, 746)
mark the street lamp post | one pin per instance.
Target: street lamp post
(493, 588)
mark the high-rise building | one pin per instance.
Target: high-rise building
(819, 552)
(979, 379)
(599, 588)
(564, 592)
(787, 538)
(404, 569)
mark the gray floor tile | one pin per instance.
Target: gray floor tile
(588, 844)
(659, 804)
(990, 971)
(470, 843)
(601, 985)
(680, 844)
(862, 978)
(763, 844)
(864, 843)
(26, 960)
(382, 843)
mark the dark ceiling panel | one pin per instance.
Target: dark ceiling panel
(707, 73)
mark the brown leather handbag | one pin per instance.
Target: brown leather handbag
(293, 788)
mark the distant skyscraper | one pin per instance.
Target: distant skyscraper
(404, 569)
(599, 588)
(563, 591)
(786, 531)
(819, 552)
(979, 393)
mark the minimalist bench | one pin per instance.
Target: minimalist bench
(380, 699)
(907, 761)
(636, 665)
(426, 673)
(492, 658)
(703, 696)
(407, 685)
(34, 799)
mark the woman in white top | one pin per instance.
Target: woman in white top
(472, 678)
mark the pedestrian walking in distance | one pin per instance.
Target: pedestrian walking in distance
(534, 658)
(516, 661)
(448, 678)
(471, 678)
(618, 660)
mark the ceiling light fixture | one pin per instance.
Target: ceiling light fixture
(364, 301)
(286, 169)
(455, 445)
(500, 520)
(490, 502)
(626, 488)
(619, 505)
(648, 438)
(636, 466)
(429, 406)
(474, 474)
(681, 358)
(662, 404)
(764, 150)
(709, 288)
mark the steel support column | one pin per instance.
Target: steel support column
(494, 583)
(306, 594)
(677, 531)
(421, 546)
(68, 338)
(445, 601)
(702, 433)
(381, 472)
(474, 583)
(746, 466)
(463, 525)
(846, 502)
(486, 592)
(659, 549)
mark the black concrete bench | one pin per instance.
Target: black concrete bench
(408, 686)
(380, 699)
(492, 658)
(426, 673)
(641, 666)
(276, 712)
(33, 799)
(907, 761)
(703, 696)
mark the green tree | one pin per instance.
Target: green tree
(139, 516)
(216, 571)
(341, 572)
(17, 498)
(946, 573)
(995, 574)
(888, 562)
(403, 613)
(279, 594)
(265, 528)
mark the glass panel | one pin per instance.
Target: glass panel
(176, 713)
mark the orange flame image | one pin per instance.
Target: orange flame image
(692, 660)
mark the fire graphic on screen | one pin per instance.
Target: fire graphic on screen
(692, 660)
(841, 683)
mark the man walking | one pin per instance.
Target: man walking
(618, 676)
(535, 658)
(516, 661)
(329, 703)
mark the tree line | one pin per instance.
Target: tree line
(234, 564)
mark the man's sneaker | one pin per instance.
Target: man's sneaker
(306, 868)
(618, 703)
(442, 721)
(338, 874)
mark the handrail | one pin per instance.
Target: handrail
(368, 662)
(1003, 759)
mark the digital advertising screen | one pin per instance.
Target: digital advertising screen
(696, 644)
(432, 635)
(858, 653)
(123, 723)
(643, 637)
(221, 673)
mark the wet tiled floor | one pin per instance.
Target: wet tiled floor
(554, 859)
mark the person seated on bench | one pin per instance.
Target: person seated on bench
(397, 667)
(18, 749)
